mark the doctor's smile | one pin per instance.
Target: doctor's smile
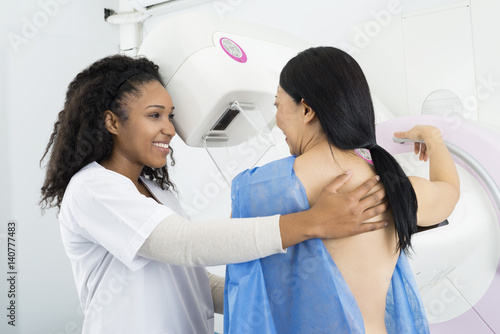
(164, 147)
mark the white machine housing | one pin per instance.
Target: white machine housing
(209, 63)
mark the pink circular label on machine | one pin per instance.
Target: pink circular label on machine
(233, 50)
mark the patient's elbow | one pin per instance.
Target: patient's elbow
(455, 195)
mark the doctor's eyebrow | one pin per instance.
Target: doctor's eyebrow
(159, 106)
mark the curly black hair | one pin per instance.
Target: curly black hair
(79, 136)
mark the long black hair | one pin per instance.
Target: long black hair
(332, 83)
(79, 135)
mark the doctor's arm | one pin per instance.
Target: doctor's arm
(217, 289)
(176, 240)
(437, 196)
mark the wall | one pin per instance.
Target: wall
(434, 45)
(43, 44)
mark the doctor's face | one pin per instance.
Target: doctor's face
(144, 137)
(289, 119)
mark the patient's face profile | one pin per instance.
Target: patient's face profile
(289, 118)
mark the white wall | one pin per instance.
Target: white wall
(485, 29)
(44, 45)
(434, 45)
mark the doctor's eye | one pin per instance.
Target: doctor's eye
(155, 115)
(171, 116)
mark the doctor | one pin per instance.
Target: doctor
(137, 259)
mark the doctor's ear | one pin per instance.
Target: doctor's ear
(111, 122)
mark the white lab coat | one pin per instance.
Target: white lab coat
(104, 221)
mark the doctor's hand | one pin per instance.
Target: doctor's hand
(344, 214)
(336, 215)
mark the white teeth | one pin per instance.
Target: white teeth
(161, 145)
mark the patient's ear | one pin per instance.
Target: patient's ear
(111, 122)
(309, 114)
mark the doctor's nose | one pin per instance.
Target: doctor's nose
(168, 129)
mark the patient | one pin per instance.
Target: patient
(359, 284)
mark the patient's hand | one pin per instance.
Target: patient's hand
(344, 214)
(428, 133)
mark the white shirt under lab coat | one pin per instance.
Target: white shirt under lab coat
(104, 221)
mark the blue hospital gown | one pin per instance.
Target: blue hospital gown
(301, 291)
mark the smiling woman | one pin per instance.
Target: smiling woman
(143, 138)
(136, 258)
(110, 89)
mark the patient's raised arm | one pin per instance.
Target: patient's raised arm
(437, 196)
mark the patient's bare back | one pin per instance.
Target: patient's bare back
(367, 260)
